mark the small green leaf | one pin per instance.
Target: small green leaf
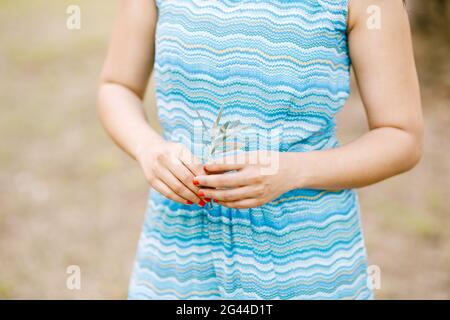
(201, 119)
(219, 116)
(234, 124)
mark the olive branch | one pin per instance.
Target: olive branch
(218, 140)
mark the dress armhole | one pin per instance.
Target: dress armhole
(346, 10)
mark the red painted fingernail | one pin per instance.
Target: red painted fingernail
(202, 203)
(201, 194)
(195, 182)
(207, 199)
(190, 202)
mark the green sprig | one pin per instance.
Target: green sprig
(220, 134)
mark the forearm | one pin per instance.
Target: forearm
(121, 113)
(378, 155)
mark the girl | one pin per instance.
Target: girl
(282, 66)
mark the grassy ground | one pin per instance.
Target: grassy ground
(68, 196)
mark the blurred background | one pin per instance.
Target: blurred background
(68, 196)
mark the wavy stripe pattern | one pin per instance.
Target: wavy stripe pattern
(274, 64)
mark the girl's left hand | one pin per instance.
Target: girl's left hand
(257, 178)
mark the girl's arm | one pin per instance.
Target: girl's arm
(125, 76)
(169, 168)
(385, 70)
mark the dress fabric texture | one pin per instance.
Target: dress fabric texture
(277, 66)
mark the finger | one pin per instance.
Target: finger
(191, 162)
(224, 180)
(162, 188)
(176, 186)
(183, 174)
(241, 204)
(230, 195)
(229, 163)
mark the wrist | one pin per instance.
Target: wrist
(300, 170)
(146, 146)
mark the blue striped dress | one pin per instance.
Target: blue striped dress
(277, 66)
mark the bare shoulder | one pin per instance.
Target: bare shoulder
(131, 51)
(141, 11)
(362, 10)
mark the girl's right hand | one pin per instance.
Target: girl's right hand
(170, 169)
